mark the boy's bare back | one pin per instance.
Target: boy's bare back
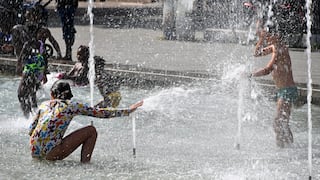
(282, 71)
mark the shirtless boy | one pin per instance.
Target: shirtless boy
(280, 68)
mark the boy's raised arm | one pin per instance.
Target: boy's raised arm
(259, 49)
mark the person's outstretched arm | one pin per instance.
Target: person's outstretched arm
(85, 109)
(134, 107)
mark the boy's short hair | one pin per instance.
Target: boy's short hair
(61, 90)
(272, 28)
(84, 49)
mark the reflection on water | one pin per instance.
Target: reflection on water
(186, 132)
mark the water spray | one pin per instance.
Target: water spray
(91, 50)
(91, 57)
(309, 96)
(240, 109)
(239, 114)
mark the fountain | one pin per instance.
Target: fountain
(183, 132)
(92, 52)
(177, 20)
(308, 6)
(219, 20)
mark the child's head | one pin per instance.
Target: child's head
(83, 53)
(61, 90)
(273, 35)
(42, 34)
(271, 29)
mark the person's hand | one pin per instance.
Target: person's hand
(60, 75)
(246, 75)
(133, 107)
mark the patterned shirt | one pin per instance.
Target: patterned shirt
(53, 119)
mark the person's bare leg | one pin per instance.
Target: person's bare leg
(286, 116)
(277, 125)
(86, 136)
(23, 96)
(88, 146)
(281, 123)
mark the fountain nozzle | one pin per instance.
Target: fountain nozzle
(238, 146)
(134, 152)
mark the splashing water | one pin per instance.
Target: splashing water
(161, 100)
(233, 73)
(251, 35)
(19, 123)
(238, 74)
(188, 4)
(189, 135)
(166, 100)
(242, 86)
(270, 14)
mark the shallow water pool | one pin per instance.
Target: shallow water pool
(186, 132)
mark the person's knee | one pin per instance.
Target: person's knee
(92, 131)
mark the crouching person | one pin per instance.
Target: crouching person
(47, 140)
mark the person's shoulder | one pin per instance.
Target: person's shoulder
(78, 105)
